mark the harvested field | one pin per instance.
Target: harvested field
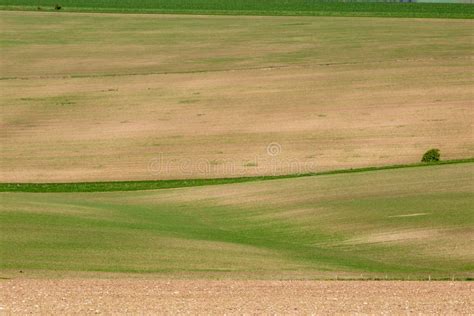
(166, 97)
(137, 296)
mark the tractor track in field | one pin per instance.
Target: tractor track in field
(198, 71)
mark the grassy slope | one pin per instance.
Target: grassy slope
(103, 95)
(401, 223)
(251, 7)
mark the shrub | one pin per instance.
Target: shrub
(57, 7)
(431, 155)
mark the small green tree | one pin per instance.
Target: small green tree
(57, 7)
(431, 155)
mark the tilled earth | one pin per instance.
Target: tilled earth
(133, 296)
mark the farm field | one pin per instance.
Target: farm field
(250, 7)
(236, 157)
(104, 97)
(410, 223)
(139, 296)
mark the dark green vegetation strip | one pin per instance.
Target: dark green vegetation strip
(252, 7)
(168, 184)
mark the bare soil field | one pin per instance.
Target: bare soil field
(120, 296)
(162, 97)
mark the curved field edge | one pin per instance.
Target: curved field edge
(169, 184)
(263, 8)
(396, 224)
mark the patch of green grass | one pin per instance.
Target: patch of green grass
(252, 7)
(168, 184)
(339, 224)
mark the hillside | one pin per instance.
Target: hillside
(404, 223)
(104, 97)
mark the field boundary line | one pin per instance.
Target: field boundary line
(140, 185)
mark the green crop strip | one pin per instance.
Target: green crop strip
(252, 7)
(169, 184)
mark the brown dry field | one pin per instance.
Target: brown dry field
(155, 97)
(133, 296)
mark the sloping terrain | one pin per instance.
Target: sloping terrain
(96, 97)
(308, 128)
(404, 223)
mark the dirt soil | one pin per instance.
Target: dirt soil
(120, 296)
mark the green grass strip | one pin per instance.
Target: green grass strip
(182, 183)
(251, 7)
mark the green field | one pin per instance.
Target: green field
(252, 7)
(401, 223)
